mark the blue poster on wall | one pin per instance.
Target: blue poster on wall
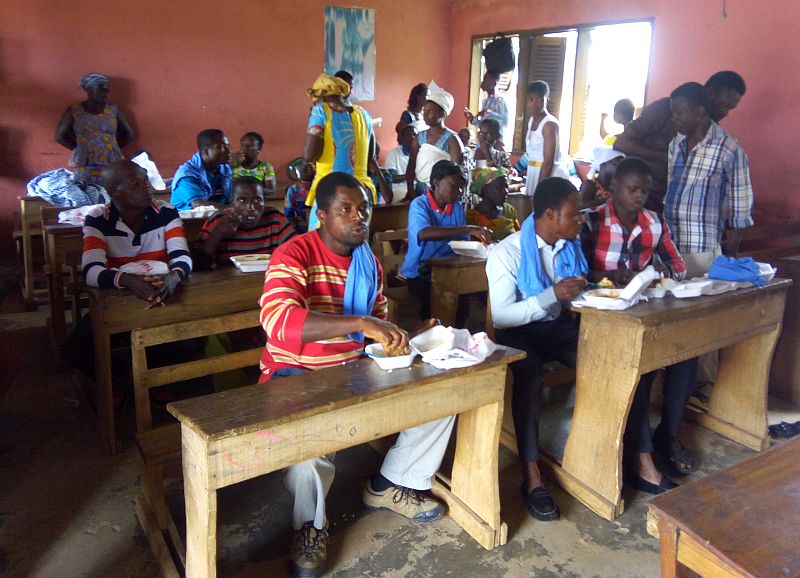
(350, 46)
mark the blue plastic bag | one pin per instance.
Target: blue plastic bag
(730, 269)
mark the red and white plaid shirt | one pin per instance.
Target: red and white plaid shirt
(608, 246)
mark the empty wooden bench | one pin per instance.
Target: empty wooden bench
(161, 447)
(770, 241)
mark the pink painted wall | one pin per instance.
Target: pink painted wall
(690, 42)
(179, 67)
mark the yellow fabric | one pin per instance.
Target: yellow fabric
(610, 140)
(535, 163)
(326, 85)
(502, 225)
(360, 154)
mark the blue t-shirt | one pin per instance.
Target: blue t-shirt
(422, 213)
(192, 182)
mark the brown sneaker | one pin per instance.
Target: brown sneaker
(309, 551)
(412, 504)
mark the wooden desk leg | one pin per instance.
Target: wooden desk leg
(738, 405)
(201, 508)
(473, 499)
(103, 398)
(444, 304)
(668, 544)
(608, 372)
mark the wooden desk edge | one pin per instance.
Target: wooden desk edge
(177, 409)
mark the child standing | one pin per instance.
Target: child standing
(302, 175)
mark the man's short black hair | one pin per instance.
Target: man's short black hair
(206, 138)
(445, 168)
(326, 188)
(726, 80)
(625, 107)
(346, 76)
(256, 137)
(538, 87)
(249, 180)
(693, 92)
(491, 124)
(552, 193)
(632, 166)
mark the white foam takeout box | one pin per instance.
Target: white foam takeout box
(251, 263)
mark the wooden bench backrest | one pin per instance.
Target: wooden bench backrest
(769, 241)
(30, 215)
(145, 378)
(390, 248)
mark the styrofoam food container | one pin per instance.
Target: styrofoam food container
(434, 341)
(656, 292)
(376, 353)
(691, 289)
(251, 263)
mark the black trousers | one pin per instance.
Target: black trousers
(678, 382)
(543, 341)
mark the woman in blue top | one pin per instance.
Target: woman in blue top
(434, 219)
(433, 144)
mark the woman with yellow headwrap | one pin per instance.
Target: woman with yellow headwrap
(339, 138)
(492, 211)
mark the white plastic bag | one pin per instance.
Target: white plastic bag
(143, 160)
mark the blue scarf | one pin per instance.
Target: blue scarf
(531, 277)
(361, 287)
(194, 168)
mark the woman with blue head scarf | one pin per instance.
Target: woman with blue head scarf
(94, 130)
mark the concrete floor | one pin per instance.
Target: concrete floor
(66, 508)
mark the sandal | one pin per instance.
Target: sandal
(680, 459)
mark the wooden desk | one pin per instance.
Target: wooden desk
(617, 347)
(63, 246)
(236, 435)
(452, 277)
(785, 373)
(739, 521)
(206, 294)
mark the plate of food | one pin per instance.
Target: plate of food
(250, 263)
(470, 249)
(603, 293)
(388, 360)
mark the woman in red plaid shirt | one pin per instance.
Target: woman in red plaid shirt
(621, 238)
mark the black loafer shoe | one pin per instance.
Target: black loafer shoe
(540, 504)
(639, 483)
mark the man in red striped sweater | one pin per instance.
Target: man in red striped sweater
(248, 227)
(322, 297)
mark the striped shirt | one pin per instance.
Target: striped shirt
(271, 230)
(108, 243)
(305, 275)
(608, 246)
(709, 190)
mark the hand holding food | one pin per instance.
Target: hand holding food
(393, 339)
(569, 288)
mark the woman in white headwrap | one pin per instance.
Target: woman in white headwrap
(93, 130)
(434, 144)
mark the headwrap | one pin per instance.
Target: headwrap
(441, 97)
(602, 155)
(326, 85)
(92, 79)
(482, 177)
(361, 286)
(531, 277)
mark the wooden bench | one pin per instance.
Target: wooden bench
(770, 241)
(237, 435)
(740, 521)
(161, 447)
(390, 249)
(30, 214)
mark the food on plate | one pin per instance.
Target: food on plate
(605, 283)
(246, 258)
(394, 351)
(609, 294)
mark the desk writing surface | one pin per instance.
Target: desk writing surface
(658, 310)
(259, 406)
(205, 294)
(747, 513)
(455, 261)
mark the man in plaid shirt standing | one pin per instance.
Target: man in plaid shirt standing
(709, 195)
